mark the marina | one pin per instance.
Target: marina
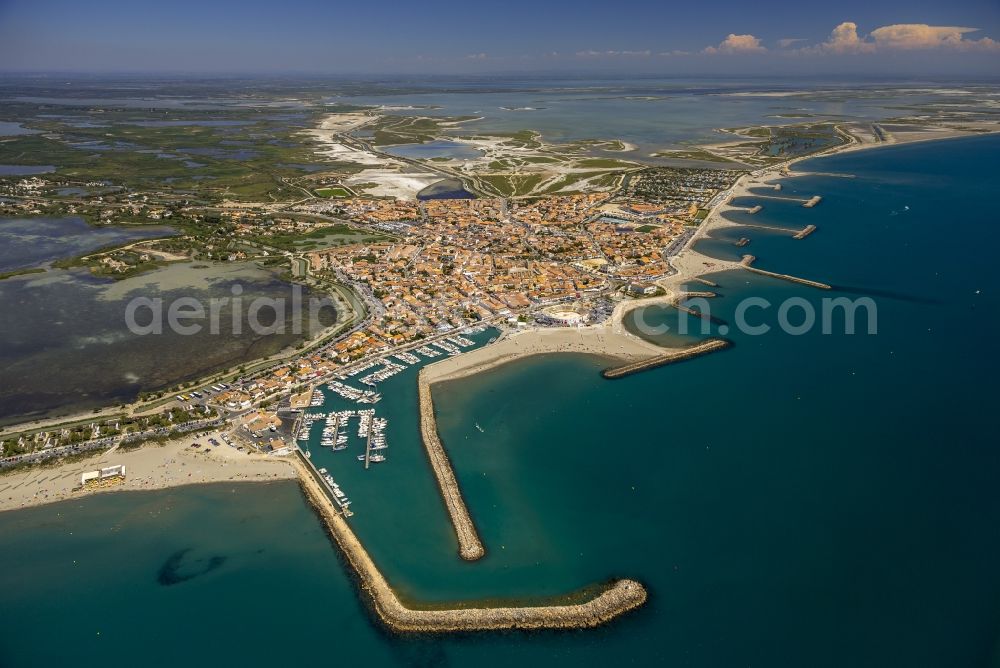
(338, 420)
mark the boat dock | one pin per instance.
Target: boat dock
(747, 263)
(368, 449)
(325, 482)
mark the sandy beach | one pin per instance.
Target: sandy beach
(152, 466)
(611, 341)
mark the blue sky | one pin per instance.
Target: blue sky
(729, 37)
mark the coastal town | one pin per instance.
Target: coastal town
(432, 267)
(405, 271)
(431, 279)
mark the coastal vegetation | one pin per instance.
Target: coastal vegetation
(332, 192)
(391, 130)
(21, 272)
(244, 155)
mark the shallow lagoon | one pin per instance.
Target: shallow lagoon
(25, 170)
(65, 345)
(29, 242)
(435, 149)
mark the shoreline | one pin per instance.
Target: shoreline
(150, 466)
(688, 264)
(598, 340)
(686, 261)
(609, 340)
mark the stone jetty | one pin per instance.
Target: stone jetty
(672, 357)
(575, 612)
(747, 263)
(676, 303)
(469, 546)
(805, 232)
(705, 281)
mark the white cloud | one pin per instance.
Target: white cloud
(734, 44)
(844, 39)
(476, 56)
(903, 36)
(923, 36)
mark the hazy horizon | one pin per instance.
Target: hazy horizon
(853, 39)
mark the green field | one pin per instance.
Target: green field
(249, 157)
(332, 192)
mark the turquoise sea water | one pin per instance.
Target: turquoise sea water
(814, 500)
